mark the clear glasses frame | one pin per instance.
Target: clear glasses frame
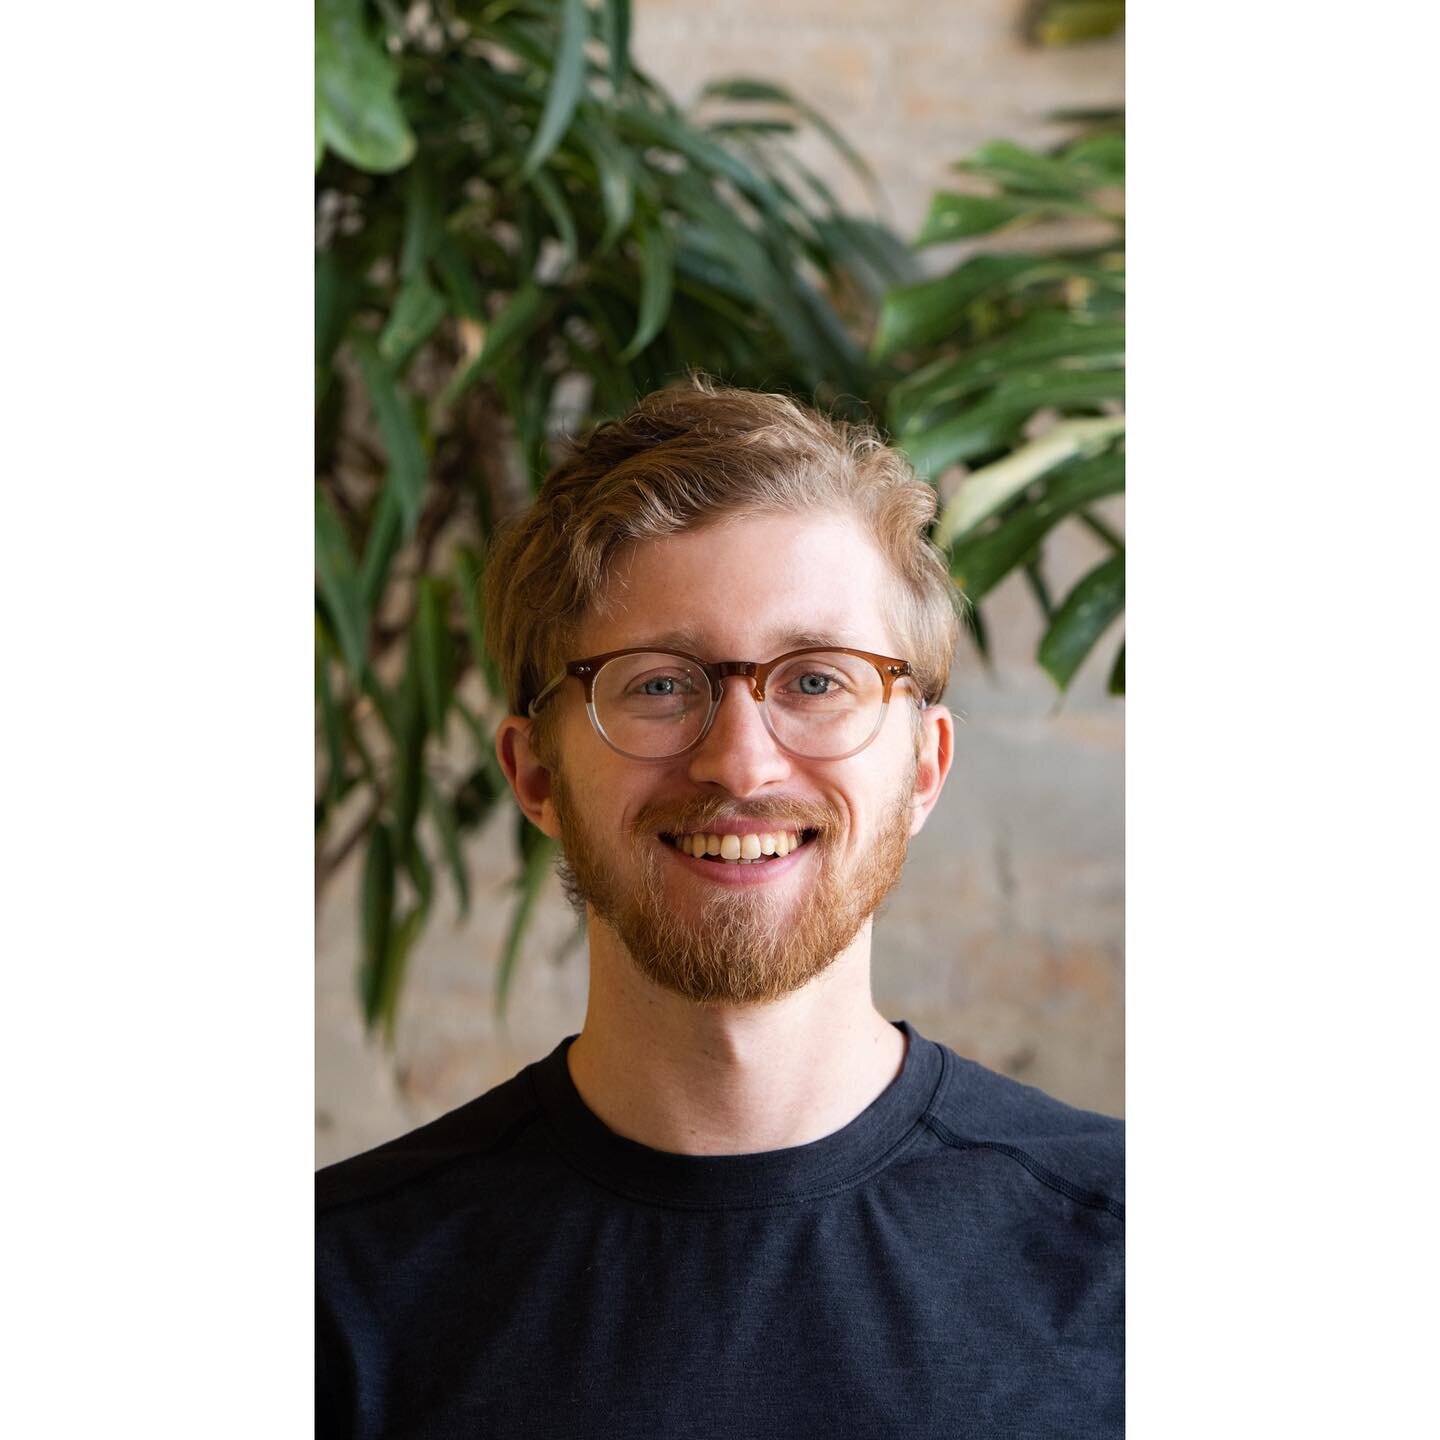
(890, 668)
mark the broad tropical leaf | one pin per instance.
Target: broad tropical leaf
(986, 491)
(356, 112)
(1087, 612)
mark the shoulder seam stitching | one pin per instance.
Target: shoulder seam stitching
(1092, 1199)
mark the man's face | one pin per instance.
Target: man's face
(722, 933)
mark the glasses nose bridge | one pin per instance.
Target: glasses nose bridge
(745, 668)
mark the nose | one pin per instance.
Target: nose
(739, 752)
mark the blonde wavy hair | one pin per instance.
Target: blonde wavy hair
(691, 455)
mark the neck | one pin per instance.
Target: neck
(730, 1080)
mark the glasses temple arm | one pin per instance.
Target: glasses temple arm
(534, 705)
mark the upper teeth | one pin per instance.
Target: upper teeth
(740, 847)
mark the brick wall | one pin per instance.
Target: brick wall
(913, 84)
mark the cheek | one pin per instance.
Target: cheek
(869, 802)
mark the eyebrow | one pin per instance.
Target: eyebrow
(777, 641)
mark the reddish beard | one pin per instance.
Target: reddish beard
(743, 947)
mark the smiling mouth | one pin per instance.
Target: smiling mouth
(775, 849)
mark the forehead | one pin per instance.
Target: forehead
(747, 589)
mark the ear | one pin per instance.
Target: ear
(528, 776)
(932, 764)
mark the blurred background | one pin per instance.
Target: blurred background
(526, 214)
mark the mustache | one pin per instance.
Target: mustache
(706, 812)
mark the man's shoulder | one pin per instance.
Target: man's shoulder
(484, 1127)
(1078, 1152)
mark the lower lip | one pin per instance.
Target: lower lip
(764, 873)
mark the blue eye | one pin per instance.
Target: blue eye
(826, 682)
(663, 687)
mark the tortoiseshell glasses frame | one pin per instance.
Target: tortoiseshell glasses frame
(890, 668)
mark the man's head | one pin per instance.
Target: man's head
(733, 526)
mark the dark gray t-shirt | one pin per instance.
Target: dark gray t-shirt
(949, 1264)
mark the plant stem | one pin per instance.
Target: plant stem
(1114, 541)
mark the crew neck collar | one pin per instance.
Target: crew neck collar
(768, 1177)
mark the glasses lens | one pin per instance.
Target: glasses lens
(653, 704)
(824, 703)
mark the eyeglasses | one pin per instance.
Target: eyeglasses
(818, 704)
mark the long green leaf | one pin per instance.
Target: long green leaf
(1015, 168)
(421, 876)
(975, 625)
(657, 278)
(522, 39)
(614, 171)
(1116, 684)
(537, 850)
(339, 586)
(760, 278)
(567, 82)
(744, 128)
(1045, 335)
(337, 292)
(473, 724)
(1096, 526)
(1065, 384)
(1035, 579)
(552, 197)
(988, 490)
(617, 39)
(432, 646)
(329, 717)
(457, 275)
(443, 813)
(981, 429)
(917, 315)
(1067, 22)
(381, 546)
(1103, 155)
(526, 389)
(671, 131)
(402, 941)
(1085, 481)
(408, 711)
(979, 563)
(407, 474)
(377, 904)
(424, 220)
(957, 217)
(511, 326)
(419, 308)
(469, 567)
(766, 90)
(869, 253)
(356, 112)
(1087, 612)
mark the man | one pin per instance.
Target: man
(740, 1202)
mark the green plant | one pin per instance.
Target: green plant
(1008, 339)
(1070, 22)
(517, 234)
